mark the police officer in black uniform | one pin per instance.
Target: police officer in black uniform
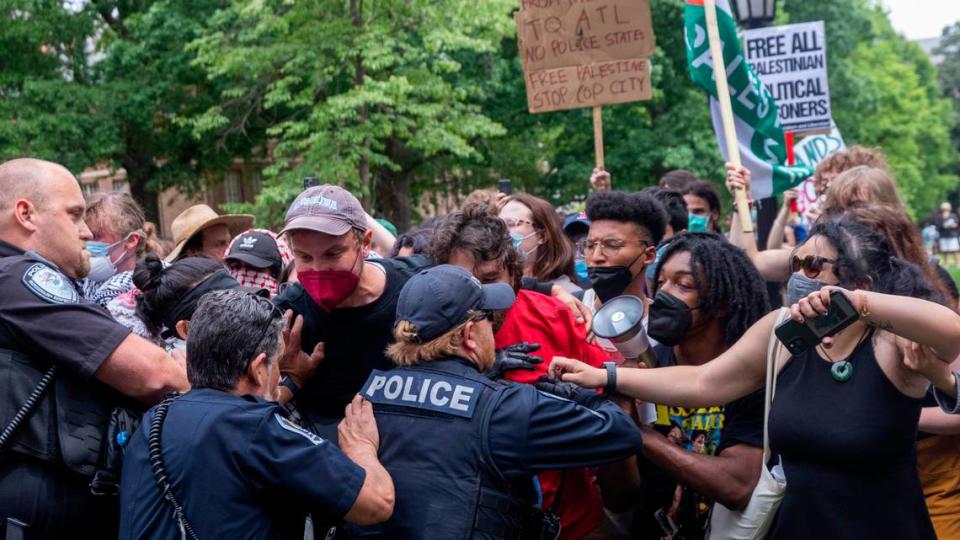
(230, 461)
(66, 367)
(462, 448)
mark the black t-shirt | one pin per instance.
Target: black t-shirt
(43, 315)
(355, 340)
(671, 508)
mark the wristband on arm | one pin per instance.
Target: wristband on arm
(611, 385)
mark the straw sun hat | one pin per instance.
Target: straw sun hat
(199, 217)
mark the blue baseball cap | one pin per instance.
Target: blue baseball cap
(576, 223)
(439, 298)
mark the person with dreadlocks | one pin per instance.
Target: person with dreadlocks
(707, 293)
(842, 424)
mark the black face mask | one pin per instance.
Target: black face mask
(610, 281)
(670, 319)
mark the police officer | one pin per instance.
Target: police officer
(224, 459)
(52, 454)
(462, 449)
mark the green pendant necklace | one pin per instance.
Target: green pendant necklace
(842, 371)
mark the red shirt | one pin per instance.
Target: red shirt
(536, 318)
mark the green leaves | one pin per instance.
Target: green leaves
(885, 93)
(355, 91)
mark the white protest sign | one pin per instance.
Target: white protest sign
(810, 151)
(791, 60)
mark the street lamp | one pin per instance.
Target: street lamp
(755, 13)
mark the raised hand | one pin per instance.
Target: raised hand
(295, 363)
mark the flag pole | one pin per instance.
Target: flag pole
(598, 135)
(726, 110)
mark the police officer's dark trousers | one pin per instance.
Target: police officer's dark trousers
(55, 504)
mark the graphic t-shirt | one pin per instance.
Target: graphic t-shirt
(672, 510)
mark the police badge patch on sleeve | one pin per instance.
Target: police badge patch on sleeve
(290, 426)
(50, 285)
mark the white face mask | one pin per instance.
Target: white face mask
(102, 266)
(101, 269)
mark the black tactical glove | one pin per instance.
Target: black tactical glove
(515, 356)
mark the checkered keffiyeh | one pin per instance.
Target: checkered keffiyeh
(248, 277)
(103, 292)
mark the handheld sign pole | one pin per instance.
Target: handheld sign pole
(726, 110)
(598, 135)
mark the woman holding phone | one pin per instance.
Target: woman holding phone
(844, 419)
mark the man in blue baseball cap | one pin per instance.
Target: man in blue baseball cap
(461, 447)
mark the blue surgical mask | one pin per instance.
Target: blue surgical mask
(98, 249)
(697, 223)
(580, 269)
(102, 266)
(518, 239)
(652, 269)
(800, 286)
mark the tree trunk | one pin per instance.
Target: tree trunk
(394, 197)
(138, 176)
(359, 74)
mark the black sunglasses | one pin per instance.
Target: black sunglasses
(485, 314)
(811, 265)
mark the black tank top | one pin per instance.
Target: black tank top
(848, 451)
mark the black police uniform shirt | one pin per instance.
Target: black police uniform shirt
(43, 315)
(444, 427)
(238, 467)
(672, 509)
(355, 340)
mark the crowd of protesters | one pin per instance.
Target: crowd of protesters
(337, 378)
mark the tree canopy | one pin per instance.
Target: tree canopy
(409, 103)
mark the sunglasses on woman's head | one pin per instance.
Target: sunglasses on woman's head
(811, 265)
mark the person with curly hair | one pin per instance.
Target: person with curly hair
(715, 292)
(480, 242)
(843, 421)
(625, 230)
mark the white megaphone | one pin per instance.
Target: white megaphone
(620, 320)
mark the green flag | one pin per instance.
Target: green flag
(760, 135)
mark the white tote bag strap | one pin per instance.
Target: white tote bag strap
(773, 347)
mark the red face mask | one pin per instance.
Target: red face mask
(328, 287)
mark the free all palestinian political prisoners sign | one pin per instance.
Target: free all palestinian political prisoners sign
(791, 60)
(578, 53)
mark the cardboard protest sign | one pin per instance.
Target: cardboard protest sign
(584, 54)
(558, 33)
(791, 60)
(570, 87)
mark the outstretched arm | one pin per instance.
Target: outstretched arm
(734, 374)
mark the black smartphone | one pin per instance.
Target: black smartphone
(310, 182)
(505, 186)
(798, 337)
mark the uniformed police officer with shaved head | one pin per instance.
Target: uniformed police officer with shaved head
(65, 365)
(462, 448)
